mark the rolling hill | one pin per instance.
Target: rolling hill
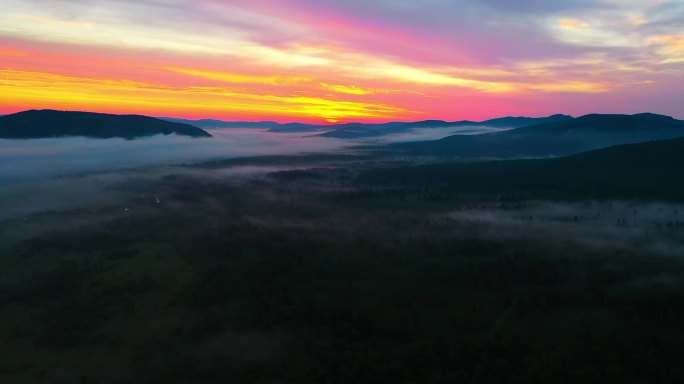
(651, 170)
(36, 124)
(367, 130)
(553, 139)
(358, 131)
(271, 126)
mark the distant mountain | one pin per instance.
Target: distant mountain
(651, 170)
(48, 123)
(212, 123)
(297, 127)
(363, 130)
(271, 126)
(358, 131)
(518, 122)
(559, 138)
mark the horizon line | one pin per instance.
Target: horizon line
(326, 124)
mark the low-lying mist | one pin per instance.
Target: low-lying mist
(425, 134)
(39, 158)
(620, 226)
(66, 173)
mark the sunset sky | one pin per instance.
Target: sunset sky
(340, 61)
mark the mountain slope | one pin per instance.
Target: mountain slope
(518, 122)
(48, 123)
(357, 131)
(651, 170)
(363, 130)
(554, 139)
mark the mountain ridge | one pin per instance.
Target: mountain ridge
(648, 170)
(48, 123)
(559, 138)
(385, 129)
(360, 130)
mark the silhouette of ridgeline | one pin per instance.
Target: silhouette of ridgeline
(36, 124)
(650, 170)
(357, 130)
(554, 139)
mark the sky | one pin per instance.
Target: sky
(330, 61)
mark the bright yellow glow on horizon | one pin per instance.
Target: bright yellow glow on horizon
(46, 90)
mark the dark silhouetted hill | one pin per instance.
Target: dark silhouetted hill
(357, 131)
(36, 124)
(651, 170)
(297, 127)
(365, 130)
(554, 139)
(518, 122)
